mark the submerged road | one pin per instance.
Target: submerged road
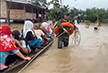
(91, 56)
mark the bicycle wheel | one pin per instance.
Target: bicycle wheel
(76, 38)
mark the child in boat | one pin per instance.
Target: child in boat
(9, 52)
(28, 34)
(21, 43)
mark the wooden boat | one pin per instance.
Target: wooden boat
(21, 62)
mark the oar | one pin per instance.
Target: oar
(38, 54)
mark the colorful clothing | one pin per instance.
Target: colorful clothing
(39, 33)
(36, 43)
(16, 34)
(3, 55)
(23, 43)
(7, 44)
(30, 36)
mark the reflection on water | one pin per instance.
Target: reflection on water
(91, 56)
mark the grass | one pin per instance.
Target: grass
(3, 24)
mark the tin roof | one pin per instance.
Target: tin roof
(25, 3)
(21, 1)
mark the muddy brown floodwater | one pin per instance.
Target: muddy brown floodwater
(91, 56)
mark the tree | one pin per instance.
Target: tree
(58, 13)
(55, 3)
(90, 15)
(74, 12)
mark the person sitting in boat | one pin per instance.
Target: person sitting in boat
(45, 32)
(28, 34)
(40, 34)
(21, 43)
(9, 52)
(50, 31)
(96, 25)
(43, 28)
(47, 29)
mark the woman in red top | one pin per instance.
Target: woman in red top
(8, 47)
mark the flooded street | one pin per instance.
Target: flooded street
(91, 56)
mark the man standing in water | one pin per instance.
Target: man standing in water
(64, 38)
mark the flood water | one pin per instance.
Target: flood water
(91, 56)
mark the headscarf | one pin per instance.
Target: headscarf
(7, 43)
(28, 25)
(5, 30)
(45, 25)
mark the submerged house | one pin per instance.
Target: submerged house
(20, 10)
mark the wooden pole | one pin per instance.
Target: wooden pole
(8, 13)
(24, 12)
(32, 15)
(61, 3)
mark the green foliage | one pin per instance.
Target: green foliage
(88, 15)
(94, 14)
(87, 23)
(58, 13)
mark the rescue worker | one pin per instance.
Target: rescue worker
(64, 38)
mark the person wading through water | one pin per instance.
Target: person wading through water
(96, 27)
(64, 38)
